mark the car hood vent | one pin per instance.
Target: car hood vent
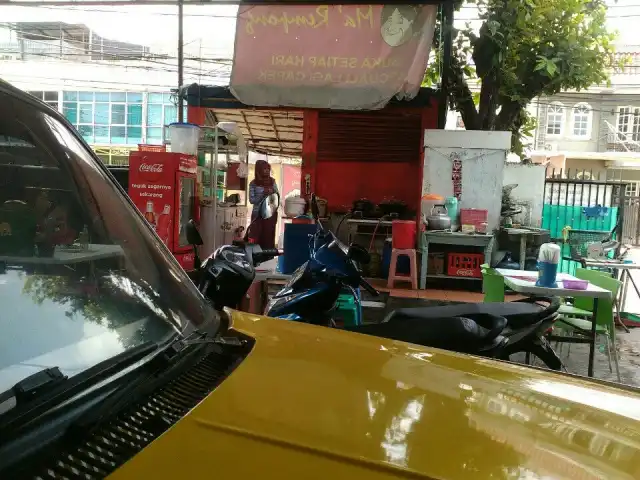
(100, 452)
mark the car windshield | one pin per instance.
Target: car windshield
(82, 277)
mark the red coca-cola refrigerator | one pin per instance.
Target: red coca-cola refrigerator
(163, 187)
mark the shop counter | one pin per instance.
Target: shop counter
(452, 238)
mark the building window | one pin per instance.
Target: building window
(50, 98)
(161, 111)
(629, 123)
(631, 190)
(555, 119)
(582, 120)
(105, 117)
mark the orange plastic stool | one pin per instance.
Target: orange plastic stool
(413, 268)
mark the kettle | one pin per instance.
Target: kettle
(438, 220)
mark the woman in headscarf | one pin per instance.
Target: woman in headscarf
(263, 231)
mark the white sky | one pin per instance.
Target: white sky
(213, 28)
(209, 30)
(623, 16)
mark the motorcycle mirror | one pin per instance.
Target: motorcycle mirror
(358, 254)
(193, 235)
(315, 211)
(269, 205)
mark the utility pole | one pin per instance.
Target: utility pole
(180, 58)
(446, 28)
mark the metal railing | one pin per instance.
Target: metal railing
(588, 201)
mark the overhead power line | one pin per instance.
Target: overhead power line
(103, 84)
(82, 46)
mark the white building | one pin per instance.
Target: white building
(117, 94)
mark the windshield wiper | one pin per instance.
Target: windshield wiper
(43, 390)
(30, 387)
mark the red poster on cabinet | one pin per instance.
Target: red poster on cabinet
(290, 179)
(163, 186)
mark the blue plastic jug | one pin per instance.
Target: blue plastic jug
(547, 273)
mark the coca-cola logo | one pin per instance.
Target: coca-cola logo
(462, 272)
(151, 167)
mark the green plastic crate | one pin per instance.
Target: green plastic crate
(346, 311)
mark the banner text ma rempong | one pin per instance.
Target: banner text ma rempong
(348, 57)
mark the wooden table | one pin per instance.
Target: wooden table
(452, 238)
(266, 274)
(268, 271)
(524, 282)
(366, 227)
(525, 234)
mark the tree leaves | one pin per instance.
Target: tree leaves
(548, 65)
(525, 49)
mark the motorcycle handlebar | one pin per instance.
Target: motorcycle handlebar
(267, 254)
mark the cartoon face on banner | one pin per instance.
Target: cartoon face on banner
(397, 23)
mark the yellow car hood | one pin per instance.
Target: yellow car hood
(317, 403)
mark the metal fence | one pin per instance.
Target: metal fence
(584, 200)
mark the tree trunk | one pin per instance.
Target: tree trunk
(461, 96)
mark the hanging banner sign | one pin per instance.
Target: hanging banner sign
(348, 57)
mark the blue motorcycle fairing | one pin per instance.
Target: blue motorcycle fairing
(329, 256)
(288, 303)
(313, 290)
(325, 262)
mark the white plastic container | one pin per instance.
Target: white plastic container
(550, 253)
(184, 137)
(294, 206)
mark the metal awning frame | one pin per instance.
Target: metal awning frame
(270, 132)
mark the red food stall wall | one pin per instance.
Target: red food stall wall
(374, 155)
(197, 115)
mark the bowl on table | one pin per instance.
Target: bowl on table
(575, 284)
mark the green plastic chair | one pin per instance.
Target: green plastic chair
(577, 318)
(492, 285)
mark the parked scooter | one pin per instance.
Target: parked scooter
(226, 275)
(491, 330)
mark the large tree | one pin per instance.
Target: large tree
(524, 49)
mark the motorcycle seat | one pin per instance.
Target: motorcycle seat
(475, 333)
(519, 314)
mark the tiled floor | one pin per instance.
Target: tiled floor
(432, 294)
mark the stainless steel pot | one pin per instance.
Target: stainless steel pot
(439, 219)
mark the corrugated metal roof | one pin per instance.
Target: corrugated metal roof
(269, 131)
